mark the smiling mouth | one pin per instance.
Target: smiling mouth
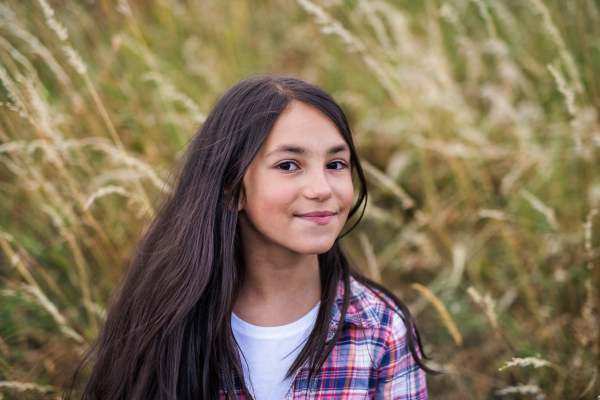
(318, 217)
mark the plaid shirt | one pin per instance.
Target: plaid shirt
(369, 362)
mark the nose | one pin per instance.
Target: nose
(317, 186)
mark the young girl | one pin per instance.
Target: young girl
(240, 288)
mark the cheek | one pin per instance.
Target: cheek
(268, 200)
(346, 195)
(274, 202)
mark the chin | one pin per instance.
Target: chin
(319, 247)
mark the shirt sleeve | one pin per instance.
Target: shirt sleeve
(399, 377)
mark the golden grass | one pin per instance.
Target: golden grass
(441, 309)
(478, 124)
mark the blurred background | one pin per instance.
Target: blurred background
(477, 122)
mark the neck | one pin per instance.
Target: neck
(279, 287)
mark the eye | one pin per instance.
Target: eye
(287, 166)
(336, 165)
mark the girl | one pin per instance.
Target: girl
(240, 288)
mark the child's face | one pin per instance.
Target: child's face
(298, 188)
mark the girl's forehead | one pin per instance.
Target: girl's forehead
(305, 126)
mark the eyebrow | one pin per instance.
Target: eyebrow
(301, 150)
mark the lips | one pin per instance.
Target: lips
(318, 217)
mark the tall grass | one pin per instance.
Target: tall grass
(478, 122)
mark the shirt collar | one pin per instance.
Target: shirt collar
(361, 311)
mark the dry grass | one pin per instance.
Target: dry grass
(478, 122)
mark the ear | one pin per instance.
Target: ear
(242, 200)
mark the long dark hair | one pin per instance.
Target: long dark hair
(168, 330)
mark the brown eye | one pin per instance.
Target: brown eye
(287, 166)
(336, 165)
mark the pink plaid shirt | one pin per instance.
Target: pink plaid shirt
(369, 362)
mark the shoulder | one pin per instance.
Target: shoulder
(371, 308)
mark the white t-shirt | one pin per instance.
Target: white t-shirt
(270, 351)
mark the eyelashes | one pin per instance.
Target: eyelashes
(291, 166)
(341, 164)
(288, 166)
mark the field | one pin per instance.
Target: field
(478, 124)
